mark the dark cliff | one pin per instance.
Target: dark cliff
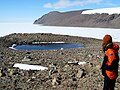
(77, 19)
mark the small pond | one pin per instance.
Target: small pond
(52, 46)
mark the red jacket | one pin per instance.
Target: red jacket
(110, 63)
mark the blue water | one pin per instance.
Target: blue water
(54, 46)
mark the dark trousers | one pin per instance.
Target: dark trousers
(109, 84)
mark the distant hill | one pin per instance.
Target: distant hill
(80, 19)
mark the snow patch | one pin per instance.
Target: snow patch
(76, 62)
(81, 63)
(29, 67)
(13, 46)
(115, 10)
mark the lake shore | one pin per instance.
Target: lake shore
(60, 75)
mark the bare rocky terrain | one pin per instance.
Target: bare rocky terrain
(77, 19)
(60, 75)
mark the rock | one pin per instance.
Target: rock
(0, 74)
(54, 81)
(11, 72)
(90, 55)
(70, 83)
(98, 67)
(66, 68)
(80, 73)
(73, 62)
(118, 80)
(26, 58)
(52, 69)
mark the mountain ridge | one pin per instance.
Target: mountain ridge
(77, 19)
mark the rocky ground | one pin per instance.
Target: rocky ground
(60, 75)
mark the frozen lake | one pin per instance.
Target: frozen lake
(8, 28)
(53, 46)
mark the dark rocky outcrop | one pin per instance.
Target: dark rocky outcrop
(77, 19)
(55, 15)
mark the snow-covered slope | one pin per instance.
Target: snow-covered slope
(115, 10)
(98, 33)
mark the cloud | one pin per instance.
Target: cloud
(62, 4)
(70, 3)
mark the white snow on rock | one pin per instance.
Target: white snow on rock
(81, 63)
(13, 46)
(29, 67)
(115, 10)
(76, 62)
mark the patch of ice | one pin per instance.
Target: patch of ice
(76, 62)
(115, 10)
(81, 63)
(13, 46)
(29, 67)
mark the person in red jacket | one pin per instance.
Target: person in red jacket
(110, 63)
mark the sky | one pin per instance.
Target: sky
(30, 10)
